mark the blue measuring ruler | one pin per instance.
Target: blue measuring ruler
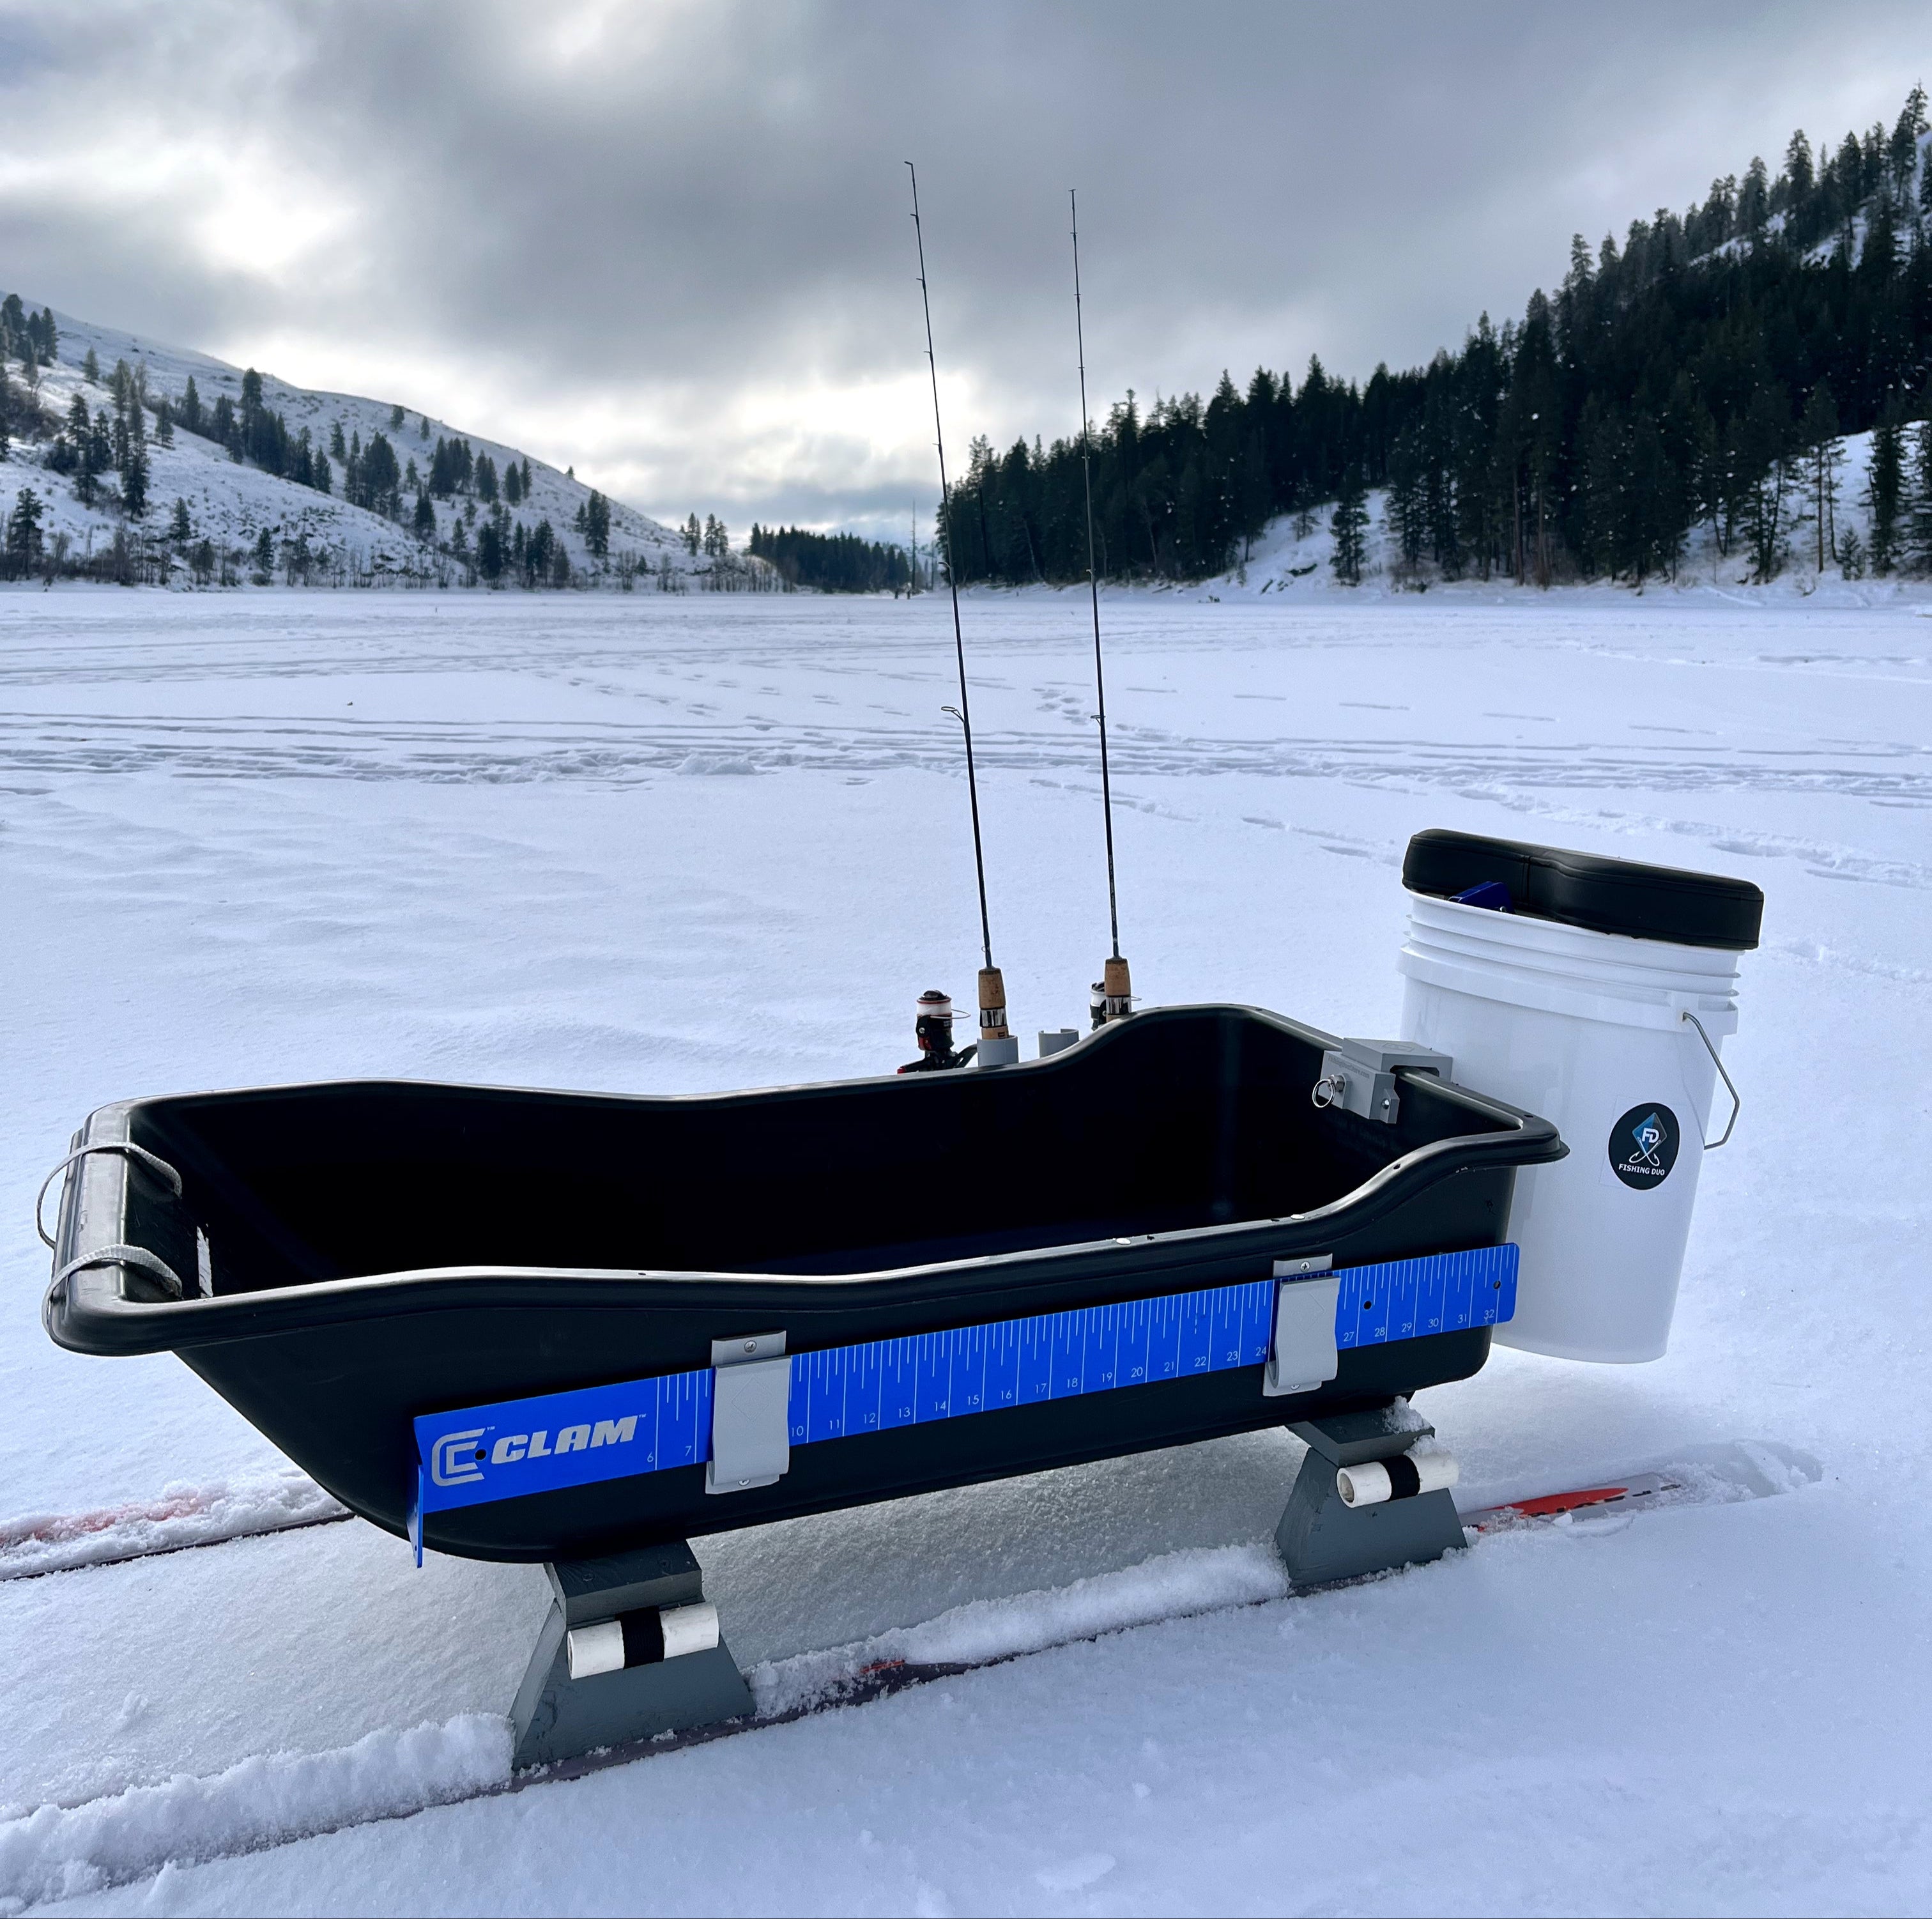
(552, 1440)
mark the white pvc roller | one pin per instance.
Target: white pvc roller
(594, 1649)
(1589, 1030)
(692, 1629)
(1375, 1482)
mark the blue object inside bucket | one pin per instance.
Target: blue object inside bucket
(1492, 893)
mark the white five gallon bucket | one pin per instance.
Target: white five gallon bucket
(1588, 1029)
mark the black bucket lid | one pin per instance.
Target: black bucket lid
(1586, 889)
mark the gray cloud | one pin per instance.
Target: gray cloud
(669, 243)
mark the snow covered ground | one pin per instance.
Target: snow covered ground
(658, 843)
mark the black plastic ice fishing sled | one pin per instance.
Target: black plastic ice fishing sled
(559, 1326)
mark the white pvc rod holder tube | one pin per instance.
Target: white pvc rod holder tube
(692, 1629)
(592, 1650)
(1379, 1481)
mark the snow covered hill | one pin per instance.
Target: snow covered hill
(231, 502)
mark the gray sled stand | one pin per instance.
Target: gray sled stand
(630, 1650)
(1322, 1541)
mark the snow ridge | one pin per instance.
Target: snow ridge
(184, 1515)
(63, 1852)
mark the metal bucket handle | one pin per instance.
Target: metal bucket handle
(1737, 1103)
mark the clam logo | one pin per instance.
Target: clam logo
(455, 1459)
(1643, 1146)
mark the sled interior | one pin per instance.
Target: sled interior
(1180, 1118)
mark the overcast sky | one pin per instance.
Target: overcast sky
(668, 243)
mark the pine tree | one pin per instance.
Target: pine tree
(693, 534)
(513, 484)
(425, 516)
(396, 418)
(134, 481)
(1349, 526)
(90, 368)
(489, 550)
(1918, 536)
(164, 423)
(179, 532)
(23, 534)
(97, 455)
(265, 554)
(597, 525)
(527, 479)
(1406, 517)
(1903, 148)
(1763, 450)
(190, 406)
(1823, 457)
(1885, 484)
(337, 448)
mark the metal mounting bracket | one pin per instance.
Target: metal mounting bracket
(1358, 1076)
(1323, 1539)
(751, 1405)
(1302, 1354)
(630, 1650)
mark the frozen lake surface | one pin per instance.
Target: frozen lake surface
(657, 844)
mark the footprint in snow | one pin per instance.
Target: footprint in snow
(1076, 1875)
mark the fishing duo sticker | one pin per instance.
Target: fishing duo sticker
(1643, 1146)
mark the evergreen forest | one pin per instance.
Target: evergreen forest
(832, 563)
(1698, 374)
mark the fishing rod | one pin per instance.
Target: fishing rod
(1113, 993)
(992, 987)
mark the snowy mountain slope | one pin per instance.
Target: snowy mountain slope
(230, 503)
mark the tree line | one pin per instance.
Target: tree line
(831, 562)
(1689, 377)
